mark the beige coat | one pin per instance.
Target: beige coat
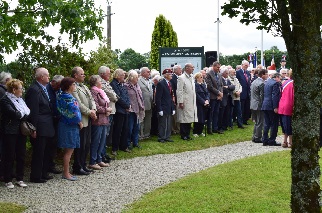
(85, 101)
(106, 87)
(238, 88)
(186, 94)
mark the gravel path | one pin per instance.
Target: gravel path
(125, 181)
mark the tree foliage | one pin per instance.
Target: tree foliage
(27, 23)
(129, 59)
(163, 36)
(298, 22)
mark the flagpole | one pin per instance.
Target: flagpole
(262, 49)
(218, 34)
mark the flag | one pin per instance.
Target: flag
(272, 62)
(255, 60)
(284, 57)
(263, 60)
(250, 57)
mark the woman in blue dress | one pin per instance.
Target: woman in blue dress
(69, 123)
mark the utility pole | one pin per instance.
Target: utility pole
(108, 18)
(218, 22)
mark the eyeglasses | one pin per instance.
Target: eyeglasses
(284, 73)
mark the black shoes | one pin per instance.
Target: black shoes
(186, 138)
(218, 131)
(161, 140)
(36, 180)
(88, 170)
(241, 127)
(271, 144)
(210, 133)
(81, 172)
(169, 140)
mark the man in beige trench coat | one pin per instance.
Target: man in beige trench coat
(186, 100)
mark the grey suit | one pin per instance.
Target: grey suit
(256, 101)
(147, 93)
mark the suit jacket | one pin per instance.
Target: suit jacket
(272, 94)
(147, 92)
(257, 94)
(245, 83)
(227, 92)
(214, 86)
(41, 114)
(85, 101)
(163, 98)
(53, 101)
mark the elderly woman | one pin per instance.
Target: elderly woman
(203, 98)
(14, 110)
(120, 118)
(69, 123)
(136, 114)
(99, 126)
(285, 109)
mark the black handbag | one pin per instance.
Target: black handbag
(27, 128)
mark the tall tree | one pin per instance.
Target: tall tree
(26, 23)
(298, 22)
(163, 36)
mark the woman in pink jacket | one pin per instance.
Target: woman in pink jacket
(285, 109)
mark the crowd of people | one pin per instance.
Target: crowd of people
(122, 109)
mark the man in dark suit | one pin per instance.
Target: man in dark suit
(272, 95)
(227, 101)
(177, 71)
(41, 116)
(215, 88)
(53, 87)
(244, 78)
(165, 106)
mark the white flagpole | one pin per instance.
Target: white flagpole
(262, 49)
(218, 34)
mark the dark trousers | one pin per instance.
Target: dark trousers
(53, 147)
(185, 129)
(197, 128)
(40, 156)
(14, 148)
(1, 155)
(154, 122)
(110, 131)
(212, 121)
(120, 130)
(236, 114)
(245, 108)
(81, 153)
(270, 125)
(165, 126)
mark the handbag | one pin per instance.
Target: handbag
(27, 128)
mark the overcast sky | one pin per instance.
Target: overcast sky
(193, 21)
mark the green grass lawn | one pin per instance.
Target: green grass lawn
(255, 184)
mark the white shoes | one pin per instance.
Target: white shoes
(9, 185)
(195, 135)
(21, 184)
(202, 135)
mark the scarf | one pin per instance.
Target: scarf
(102, 93)
(19, 103)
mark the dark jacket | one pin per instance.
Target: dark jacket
(163, 98)
(202, 95)
(11, 117)
(41, 114)
(123, 103)
(227, 92)
(245, 83)
(272, 94)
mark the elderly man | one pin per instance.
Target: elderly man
(215, 88)
(177, 71)
(88, 110)
(244, 79)
(165, 106)
(147, 93)
(272, 95)
(41, 116)
(53, 87)
(186, 100)
(256, 101)
(105, 74)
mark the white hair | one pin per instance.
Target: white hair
(4, 76)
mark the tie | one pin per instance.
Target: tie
(216, 76)
(45, 90)
(245, 76)
(170, 88)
